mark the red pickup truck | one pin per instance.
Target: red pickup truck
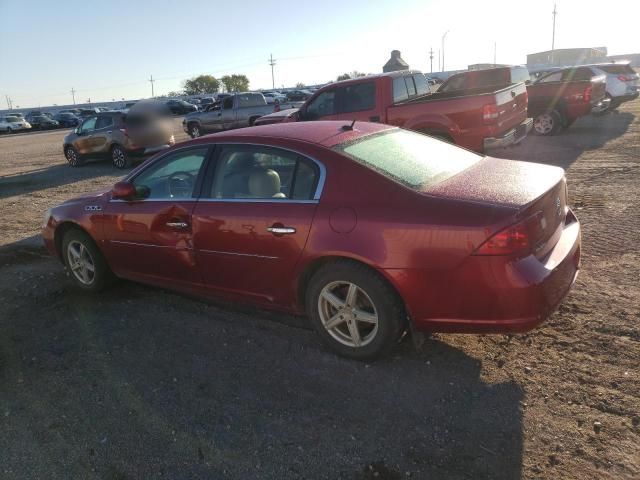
(558, 98)
(478, 119)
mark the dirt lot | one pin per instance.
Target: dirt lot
(142, 383)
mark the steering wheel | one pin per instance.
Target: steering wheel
(181, 184)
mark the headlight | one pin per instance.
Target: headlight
(45, 219)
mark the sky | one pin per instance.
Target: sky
(108, 50)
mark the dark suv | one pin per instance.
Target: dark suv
(118, 136)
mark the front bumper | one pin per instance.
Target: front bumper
(512, 137)
(492, 294)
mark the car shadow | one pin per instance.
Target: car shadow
(153, 384)
(56, 176)
(587, 133)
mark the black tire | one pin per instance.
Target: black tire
(119, 157)
(604, 111)
(101, 277)
(568, 123)
(379, 298)
(252, 120)
(194, 130)
(73, 157)
(548, 123)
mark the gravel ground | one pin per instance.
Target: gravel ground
(143, 383)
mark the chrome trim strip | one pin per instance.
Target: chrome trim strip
(238, 254)
(121, 242)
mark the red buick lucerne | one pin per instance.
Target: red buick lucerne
(366, 228)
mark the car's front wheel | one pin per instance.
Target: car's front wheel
(548, 123)
(85, 262)
(194, 130)
(119, 157)
(354, 310)
(73, 157)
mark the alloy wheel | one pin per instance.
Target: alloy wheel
(543, 124)
(81, 262)
(348, 314)
(118, 157)
(195, 131)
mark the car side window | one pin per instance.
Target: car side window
(227, 103)
(553, 77)
(400, 93)
(104, 122)
(263, 173)
(172, 177)
(358, 97)
(323, 105)
(89, 124)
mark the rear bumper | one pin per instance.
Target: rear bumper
(512, 137)
(626, 98)
(488, 294)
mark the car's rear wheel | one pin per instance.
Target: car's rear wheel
(354, 310)
(83, 259)
(119, 157)
(73, 157)
(194, 130)
(9, 130)
(548, 123)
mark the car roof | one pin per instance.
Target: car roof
(327, 133)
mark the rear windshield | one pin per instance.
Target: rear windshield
(412, 159)
(617, 69)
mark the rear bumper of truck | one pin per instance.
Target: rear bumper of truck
(512, 137)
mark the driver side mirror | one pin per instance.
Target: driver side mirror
(123, 191)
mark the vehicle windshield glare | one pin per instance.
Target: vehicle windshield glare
(412, 159)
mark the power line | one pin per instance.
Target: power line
(272, 62)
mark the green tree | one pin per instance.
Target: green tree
(300, 85)
(347, 76)
(201, 84)
(174, 94)
(235, 83)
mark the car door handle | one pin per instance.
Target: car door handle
(177, 225)
(281, 230)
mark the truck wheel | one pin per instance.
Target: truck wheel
(194, 130)
(548, 123)
(119, 157)
(73, 157)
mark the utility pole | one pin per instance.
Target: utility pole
(439, 63)
(431, 59)
(553, 35)
(151, 80)
(9, 104)
(73, 95)
(495, 47)
(443, 38)
(272, 62)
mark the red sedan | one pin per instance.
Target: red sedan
(366, 228)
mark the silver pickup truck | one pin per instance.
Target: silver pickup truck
(236, 111)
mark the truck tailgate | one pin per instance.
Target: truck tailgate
(512, 106)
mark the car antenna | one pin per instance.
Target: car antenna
(349, 127)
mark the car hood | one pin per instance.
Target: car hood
(506, 183)
(97, 195)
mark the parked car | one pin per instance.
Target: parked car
(274, 97)
(235, 111)
(298, 95)
(74, 111)
(67, 119)
(43, 122)
(445, 240)
(13, 123)
(623, 83)
(118, 136)
(558, 98)
(180, 107)
(479, 119)
(87, 112)
(206, 101)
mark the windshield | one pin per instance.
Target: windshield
(412, 159)
(11, 119)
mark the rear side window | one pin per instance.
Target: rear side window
(409, 158)
(227, 103)
(577, 74)
(104, 122)
(422, 86)
(552, 77)
(411, 87)
(358, 97)
(400, 93)
(617, 69)
(249, 100)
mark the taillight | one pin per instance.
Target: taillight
(587, 94)
(124, 132)
(514, 239)
(623, 78)
(489, 113)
